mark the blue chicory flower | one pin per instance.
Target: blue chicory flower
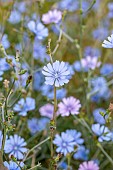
(15, 17)
(65, 143)
(48, 91)
(37, 125)
(109, 43)
(102, 132)
(81, 153)
(38, 29)
(98, 117)
(56, 73)
(76, 136)
(100, 89)
(13, 166)
(24, 105)
(15, 146)
(39, 52)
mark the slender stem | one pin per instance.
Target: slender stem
(32, 149)
(69, 160)
(58, 42)
(105, 153)
(55, 104)
(83, 123)
(39, 165)
(52, 153)
(1, 160)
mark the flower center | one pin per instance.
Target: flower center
(56, 75)
(64, 144)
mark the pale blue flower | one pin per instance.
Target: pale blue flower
(15, 146)
(38, 81)
(20, 6)
(70, 5)
(24, 105)
(100, 89)
(38, 29)
(102, 132)
(65, 143)
(108, 43)
(48, 91)
(12, 165)
(39, 52)
(98, 117)
(81, 153)
(56, 74)
(76, 136)
(5, 42)
(110, 7)
(106, 69)
(37, 125)
(93, 52)
(100, 33)
(15, 17)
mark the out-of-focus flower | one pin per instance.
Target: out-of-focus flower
(93, 52)
(52, 17)
(15, 17)
(81, 154)
(12, 165)
(65, 143)
(100, 33)
(69, 106)
(63, 165)
(76, 135)
(110, 7)
(109, 43)
(38, 29)
(48, 91)
(15, 146)
(47, 110)
(39, 52)
(24, 105)
(38, 81)
(20, 6)
(78, 67)
(70, 5)
(1, 73)
(102, 132)
(56, 73)
(90, 62)
(98, 117)
(5, 42)
(106, 69)
(71, 70)
(37, 125)
(100, 89)
(90, 165)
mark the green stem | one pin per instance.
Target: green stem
(52, 153)
(69, 160)
(39, 165)
(55, 105)
(83, 123)
(36, 147)
(105, 153)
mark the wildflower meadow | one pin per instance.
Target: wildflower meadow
(56, 84)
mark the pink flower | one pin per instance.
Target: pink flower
(52, 17)
(88, 166)
(90, 62)
(47, 110)
(69, 106)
